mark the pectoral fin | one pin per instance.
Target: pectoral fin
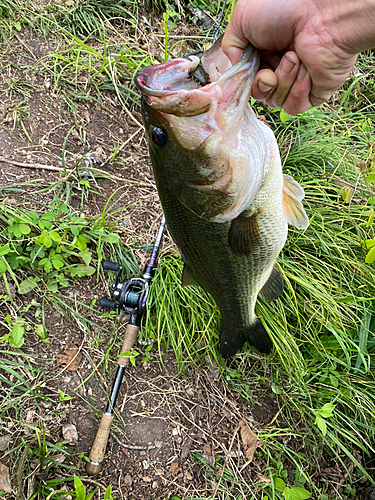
(294, 211)
(244, 233)
(274, 286)
(187, 277)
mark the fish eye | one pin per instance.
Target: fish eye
(159, 136)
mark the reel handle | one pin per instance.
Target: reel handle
(111, 266)
(108, 303)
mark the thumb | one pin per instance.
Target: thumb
(233, 45)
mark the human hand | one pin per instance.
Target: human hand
(307, 47)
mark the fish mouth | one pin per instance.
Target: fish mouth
(187, 86)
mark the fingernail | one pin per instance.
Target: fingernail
(264, 87)
(287, 66)
(301, 72)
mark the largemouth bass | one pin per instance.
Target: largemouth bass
(218, 172)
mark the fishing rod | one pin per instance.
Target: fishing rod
(130, 296)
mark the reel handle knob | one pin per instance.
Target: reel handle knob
(111, 266)
(108, 303)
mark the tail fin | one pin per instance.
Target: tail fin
(233, 338)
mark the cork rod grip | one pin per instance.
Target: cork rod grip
(98, 448)
(131, 334)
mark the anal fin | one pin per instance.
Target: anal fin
(187, 277)
(274, 286)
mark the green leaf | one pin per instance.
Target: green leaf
(81, 242)
(299, 493)
(47, 241)
(79, 488)
(110, 238)
(327, 410)
(33, 215)
(24, 228)
(58, 262)
(107, 494)
(52, 286)
(279, 483)
(27, 285)
(4, 250)
(371, 177)
(346, 194)
(283, 116)
(16, 335)
(47, 266)
(86, 256)
(370, 257)
(74, 230)
(54, 235)
(322, 425)
(40, 331)
(80, 270)
(48, 216)
(369, 243)
(3, 267)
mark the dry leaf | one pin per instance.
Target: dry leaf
(186, 447)
(146, 479)
(208, 454)
(5, 479)
(69, 432)
(4, 441)
(70, 359)
(29, 417)
(249, 440)
(174, 468)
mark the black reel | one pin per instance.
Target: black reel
(130, 295)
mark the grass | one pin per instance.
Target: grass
(321, 371)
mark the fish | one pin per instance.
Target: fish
(218, 172)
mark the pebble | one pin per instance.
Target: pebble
(128, 480)
(155, 485)
(69, 432)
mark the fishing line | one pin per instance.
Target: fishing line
(220, 20)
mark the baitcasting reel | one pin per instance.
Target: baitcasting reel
(129, 295)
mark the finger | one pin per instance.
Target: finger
(328, 79)
(264, 83)
(298, 98)
(233, 45)
(286, 73)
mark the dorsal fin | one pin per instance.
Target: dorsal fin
(293, 195)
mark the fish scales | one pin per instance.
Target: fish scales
(218, 172)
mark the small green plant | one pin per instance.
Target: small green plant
(131, 355)
(15, 338)
(291, 493)
(168, 24)
(80, 491)
(53, 245)
(322, 415)
(63, 397)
